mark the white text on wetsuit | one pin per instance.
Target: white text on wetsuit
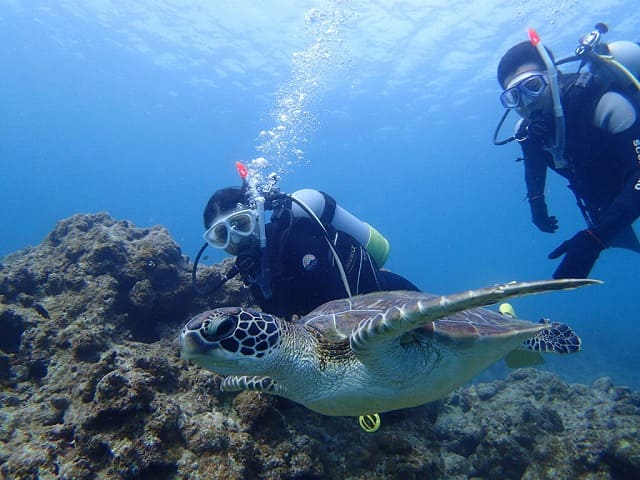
(636, 145)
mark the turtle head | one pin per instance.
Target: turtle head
(230, 341)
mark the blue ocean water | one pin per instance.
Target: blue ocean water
(142, 110)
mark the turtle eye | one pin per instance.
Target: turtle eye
(227, 327)
(215, 328)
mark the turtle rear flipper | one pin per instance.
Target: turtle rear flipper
(557, 338)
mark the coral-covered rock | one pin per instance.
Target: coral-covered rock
(92, 386)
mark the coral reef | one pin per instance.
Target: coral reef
(92, 386)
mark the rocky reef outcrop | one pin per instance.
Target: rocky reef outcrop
(92, 386)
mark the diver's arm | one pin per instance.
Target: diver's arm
(625, 208)
(535, 175)
(535, 171)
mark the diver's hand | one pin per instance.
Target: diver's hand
(540, 215)
(541, 129)
(580, 254)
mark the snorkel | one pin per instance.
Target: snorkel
(264, 282)
(264, 279)
(557, 150)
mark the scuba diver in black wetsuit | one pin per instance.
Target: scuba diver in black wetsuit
(586, 127)
(310, 252)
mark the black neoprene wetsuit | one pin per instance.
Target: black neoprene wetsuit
(603, 168)
(303, 272)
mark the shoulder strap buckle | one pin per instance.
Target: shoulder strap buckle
(583, 79)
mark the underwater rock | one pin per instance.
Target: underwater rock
(12, 326)
(92, 386)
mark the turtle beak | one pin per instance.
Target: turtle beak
(197, 349)
(192, 345)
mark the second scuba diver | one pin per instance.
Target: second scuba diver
(311, 251)
(585, 126)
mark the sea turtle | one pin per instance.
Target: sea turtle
(371, 353)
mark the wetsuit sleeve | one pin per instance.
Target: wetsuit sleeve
(535, 175)
(535, 170)
(625, 208)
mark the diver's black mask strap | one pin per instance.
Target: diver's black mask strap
(499, 127)
(225, 278)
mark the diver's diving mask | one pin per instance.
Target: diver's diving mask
(531, 84)
(226, 230)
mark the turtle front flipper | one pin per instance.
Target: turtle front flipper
(235, 383)
(397, 320)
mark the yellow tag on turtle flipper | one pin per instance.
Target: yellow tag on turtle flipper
(369, 423)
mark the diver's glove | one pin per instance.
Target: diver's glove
(540, 215)
(541, 129)
(580, 254)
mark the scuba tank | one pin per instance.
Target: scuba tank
(329, 213)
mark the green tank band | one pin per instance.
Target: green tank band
(377, 246)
